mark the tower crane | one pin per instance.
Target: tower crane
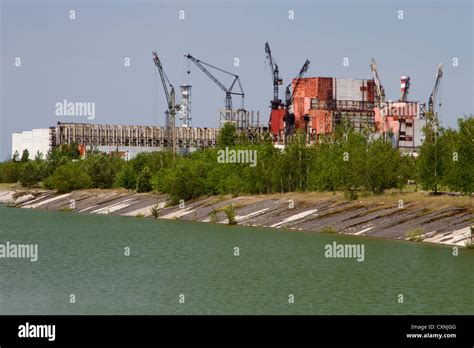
(290, 96)
(405, 88)
(379, 91)
(380, 95)
(434, 93)
(171, 102)
(277, 81)
(228, 90)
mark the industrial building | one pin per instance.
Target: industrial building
(316, 105)
(127, 140)
(35, 141)
(321, 103)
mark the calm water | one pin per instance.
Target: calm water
(84, 255)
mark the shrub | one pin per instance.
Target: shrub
(69, 177)
(415, 235)
(155, 211)
(144, 181)
(230, 213)
(10, 172)
(328, 229)
(126, 178)
(213, 216)
(31, 173)
(102, 169)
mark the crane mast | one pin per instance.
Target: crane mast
(228, 90)
(277, 81)
(379, 91)
(380, 95)
(290, 96)
(171, 102)
(405, 88)
(434, 93)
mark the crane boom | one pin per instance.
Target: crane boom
(228, 91)
(303, 70)
(405, 88)
(164, 79)
(275, 75)
(434, 93)
(171, 102)
(378, 84)
(290, 117)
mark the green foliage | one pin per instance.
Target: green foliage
(126, 178)
(144, 181)
(415, 235)
(447, 158)
(103, 169)
(60, 156)
(31, 173)
(10, 171)
(381, 166)
(16, 157)
(458, 161)
(25, 156)
(227, 135)
(213, 216)
(69, 177)
(230, 213)
(185, 181)
(155, 211)
(328, 229)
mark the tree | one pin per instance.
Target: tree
(60, 155)
(31, 173)
(458, 162)
(69, 177)
(25, 156)
(126, 178)
(429, 164)
(144, 181)
(227, 135)
(16, 156)
(380, 166)
(102, 169)
(10, 171)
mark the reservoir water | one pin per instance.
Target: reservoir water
(84, 255)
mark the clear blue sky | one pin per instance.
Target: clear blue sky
(82, 59)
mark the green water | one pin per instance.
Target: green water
(84, 255)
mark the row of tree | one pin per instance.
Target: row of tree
(346, 161)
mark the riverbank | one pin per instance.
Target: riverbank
(435, 219)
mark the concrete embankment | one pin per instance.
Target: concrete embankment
(435, 219)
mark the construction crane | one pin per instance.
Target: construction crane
(404, 87)
(171, 102)
(434, 93)
(290, 96)
(380, 95)
(228, 90)
(277, 81)
(379, 91)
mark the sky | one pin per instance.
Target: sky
(83, 59)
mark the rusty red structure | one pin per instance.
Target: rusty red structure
(320, 103)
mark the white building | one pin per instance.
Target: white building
(36, 140)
